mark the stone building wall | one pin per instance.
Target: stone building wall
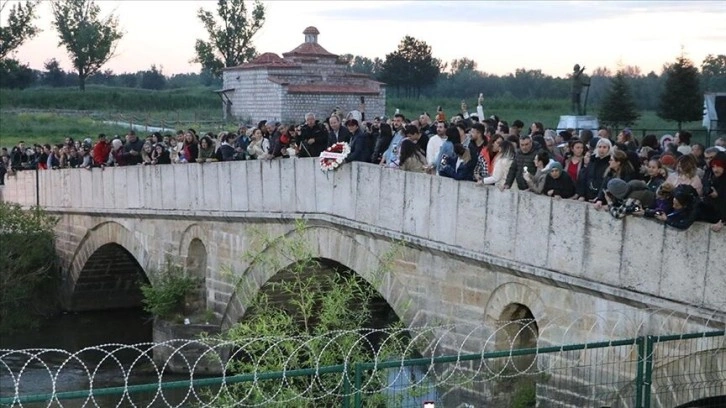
(295, 106)
(255, 97)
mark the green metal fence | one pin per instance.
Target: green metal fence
(641, 372)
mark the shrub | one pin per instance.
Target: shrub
(27, 266)
(167, 296)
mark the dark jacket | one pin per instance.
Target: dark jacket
(317, 132)
(563, 186)
(163, 158)
(137, 146)
(343, 136)
(360, 148)
(521, 160)
(609, 175)
(714, 209)
(380, 145)
(464, 172)
(225, 152)
(592, 177)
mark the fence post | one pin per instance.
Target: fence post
(346, 387)
(358, 400)
(648, 380)
(639, 374)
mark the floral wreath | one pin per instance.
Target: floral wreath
(334, 156)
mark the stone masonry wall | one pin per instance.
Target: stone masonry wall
(254, 97)
(635, 260)
(295, 106)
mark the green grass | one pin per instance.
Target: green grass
(111, 99)
(50, 128)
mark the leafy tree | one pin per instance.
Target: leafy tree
(713, 69)
(128, 80)
(153, 79)
(230, 44)
(90, 40)
(27, 265)
(462, 65)
(19, 26)
(681, 100)
(105, 77)
(54, 75)
(362, 65)
(328, 309)
(13, 74)
(618, 107)
(411, 66)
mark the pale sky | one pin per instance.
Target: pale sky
(547, 35)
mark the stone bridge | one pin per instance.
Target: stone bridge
(472, 255)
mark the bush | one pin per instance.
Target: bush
(166, 298)
(28, 277)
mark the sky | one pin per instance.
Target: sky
(500, 36)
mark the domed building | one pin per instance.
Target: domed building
(305, 79)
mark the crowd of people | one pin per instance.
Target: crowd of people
(666, 178)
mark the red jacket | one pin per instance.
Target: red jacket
(100, 152)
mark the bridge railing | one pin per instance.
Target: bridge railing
(641, 372)
(565, 241)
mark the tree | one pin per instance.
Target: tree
(713, 69)
(326, 306)
(362, 65)
(681, 100)
(462, 65)
(19, 26)
(618, 107)
(15, 75)
(54, 75)
(153, 79)
(28, 277)
(90, 40)
(411, 66)
(230, 44)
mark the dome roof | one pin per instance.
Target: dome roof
(311, 30)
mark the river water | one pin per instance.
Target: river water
(73, 332)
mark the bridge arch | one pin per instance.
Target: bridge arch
(90, 281)
(193, 255)
(503, 300)
(330, 244)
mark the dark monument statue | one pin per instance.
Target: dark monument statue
(579, 80)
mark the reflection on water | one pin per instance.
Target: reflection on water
(105, 365)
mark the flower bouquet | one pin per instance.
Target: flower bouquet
(334, 156)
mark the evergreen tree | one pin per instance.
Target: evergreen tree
(618, 107)
(411, 67)
(681, 100)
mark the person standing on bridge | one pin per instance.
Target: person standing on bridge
(313, 138)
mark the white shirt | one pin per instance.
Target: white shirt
(432, 149)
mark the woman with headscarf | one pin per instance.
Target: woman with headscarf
(594, 174)
(558, 183)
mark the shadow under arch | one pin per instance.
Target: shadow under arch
(331, 246)
(106, 270)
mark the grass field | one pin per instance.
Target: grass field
(48, 115)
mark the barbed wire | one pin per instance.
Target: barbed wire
(410, 360)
